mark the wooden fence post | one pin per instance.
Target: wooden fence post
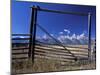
(89, 37)
(31, 32)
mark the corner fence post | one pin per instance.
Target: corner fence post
(31, 32)
(89, 37)
(34, 33)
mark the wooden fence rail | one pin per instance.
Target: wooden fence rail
(49, 53)
(46, 51)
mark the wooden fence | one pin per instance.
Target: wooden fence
(46, 51)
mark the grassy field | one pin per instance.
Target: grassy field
(44, 65)
(53, 59)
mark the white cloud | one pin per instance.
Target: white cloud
(60, 32)
(66, 30)
(52, 34)
(45, 36)
(74, 36)
(74, 39)
(61, 38)
(67, 39)
(81, 36)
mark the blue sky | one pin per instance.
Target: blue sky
(55, 24)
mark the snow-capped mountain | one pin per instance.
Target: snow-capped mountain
(19, 41)
(67, 40)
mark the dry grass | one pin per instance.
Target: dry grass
(50, 65)
(44, 65)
